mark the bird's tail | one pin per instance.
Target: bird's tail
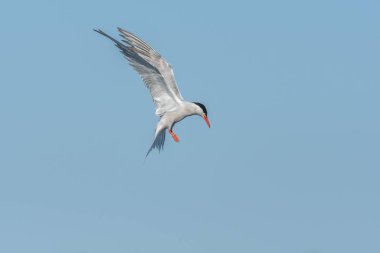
(159, 142)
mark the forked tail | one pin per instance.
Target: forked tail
(158, 143)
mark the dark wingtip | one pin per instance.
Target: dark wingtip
(98, 31)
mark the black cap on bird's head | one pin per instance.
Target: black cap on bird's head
(204, 116)
(202, 106)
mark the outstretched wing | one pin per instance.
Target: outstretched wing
(156, 73)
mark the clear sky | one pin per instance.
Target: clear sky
(290, 164)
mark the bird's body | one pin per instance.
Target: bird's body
(158, 77)
(183, 109)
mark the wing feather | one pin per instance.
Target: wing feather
(156, 73)
(154, 58)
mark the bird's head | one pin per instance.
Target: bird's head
(202, 111)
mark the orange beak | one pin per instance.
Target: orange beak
(206, 119)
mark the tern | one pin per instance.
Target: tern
(158, 77)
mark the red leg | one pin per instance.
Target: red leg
(175, 137)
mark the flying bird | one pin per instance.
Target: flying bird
(158, 77)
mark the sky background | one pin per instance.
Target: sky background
(290, 164)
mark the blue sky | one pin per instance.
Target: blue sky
(290, 164)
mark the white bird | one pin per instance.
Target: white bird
(158, 77)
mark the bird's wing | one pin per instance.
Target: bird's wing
(156, 73)
(154, 58)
